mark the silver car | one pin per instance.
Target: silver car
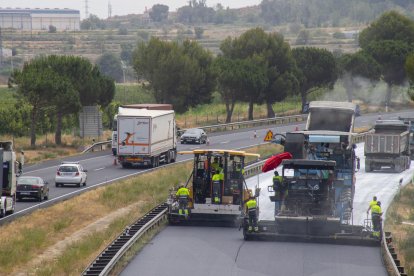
(70, 173)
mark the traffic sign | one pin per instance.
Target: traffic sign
(269, 136)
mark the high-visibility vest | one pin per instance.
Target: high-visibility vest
(372, 203)
(182, 192)
(251, 204)
(215, 166)
(376, 209)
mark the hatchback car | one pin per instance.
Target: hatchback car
(70, 173)
(32, 187)
(194, 135)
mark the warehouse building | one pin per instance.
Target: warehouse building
(39, 19)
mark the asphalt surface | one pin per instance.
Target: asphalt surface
(253, 258)
(223, 251)
(189, 251)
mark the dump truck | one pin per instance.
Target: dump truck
(314, 200)
(388, 146)
(146, 137)
(213, 201)
(132, 106)
(8, 177)
(410, 122)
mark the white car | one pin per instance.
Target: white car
(70, 173)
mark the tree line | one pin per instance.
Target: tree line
(261, 68)
(310, 13)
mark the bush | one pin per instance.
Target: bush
(122, 31)
(52, 29)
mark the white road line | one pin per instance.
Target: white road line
(99, 169)
(38, 170)
(194, 148)
(225, 142)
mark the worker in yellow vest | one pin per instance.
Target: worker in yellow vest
(372, 203)
(183, 194)
(251, 207)
(376, 214)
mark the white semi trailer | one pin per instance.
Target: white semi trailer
(146, 137)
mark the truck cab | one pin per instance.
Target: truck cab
(8, 178)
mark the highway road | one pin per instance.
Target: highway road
(223, 251)
(102, 171)
(227, 245)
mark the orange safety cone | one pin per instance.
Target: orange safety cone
(255, 134)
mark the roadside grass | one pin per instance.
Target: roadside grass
(44, 228)
(401, 210)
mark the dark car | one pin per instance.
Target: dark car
(32, 187)
(194, 135)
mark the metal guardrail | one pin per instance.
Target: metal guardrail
(100, 145)
(225, 127)
(106, 261)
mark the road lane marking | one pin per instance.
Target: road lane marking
(194, 148)
(225, 142)
(99, 169)
(47, 168)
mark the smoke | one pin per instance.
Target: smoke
(370, 93)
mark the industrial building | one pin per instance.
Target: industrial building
(39, 19)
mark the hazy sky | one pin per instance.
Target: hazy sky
(119, 7)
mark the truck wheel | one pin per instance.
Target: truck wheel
(168, 157)
(368, 167)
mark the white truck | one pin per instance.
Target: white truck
(8, 178)
(146, 137)
(132, 106)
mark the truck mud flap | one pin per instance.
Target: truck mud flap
(307, 225)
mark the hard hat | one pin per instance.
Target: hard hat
(276, 173)
(379, 203)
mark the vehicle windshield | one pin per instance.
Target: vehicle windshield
(192, 131)
(28, 180)
(68, 169)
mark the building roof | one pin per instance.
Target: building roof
(38, 11)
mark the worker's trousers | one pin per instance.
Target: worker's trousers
(376, 224)
(182, 205)
(252, 217)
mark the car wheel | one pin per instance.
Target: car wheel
(40, 198)
(84, 183)
(57, 184)
(46, 196)
(79, 184)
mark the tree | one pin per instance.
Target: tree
(92, 23)
(198, 32)
(126, 53)
(303, 37)
(409, 66)
(359, 64)
(110, 65)
(389, 40)
(315, 68)
(159, 13)
(36, 84)
(271, 52)
(179, 74)
(62, 84)
(52, 29)
(390, 26)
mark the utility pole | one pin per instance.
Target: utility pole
(109, 9)
(86, 9)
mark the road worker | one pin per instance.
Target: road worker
(280, 191)
(215, 165)
(251, 207)
(217, 180)
(183, 195)
(376, 214)
(372, 203)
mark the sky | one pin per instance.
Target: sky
(119, 7)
